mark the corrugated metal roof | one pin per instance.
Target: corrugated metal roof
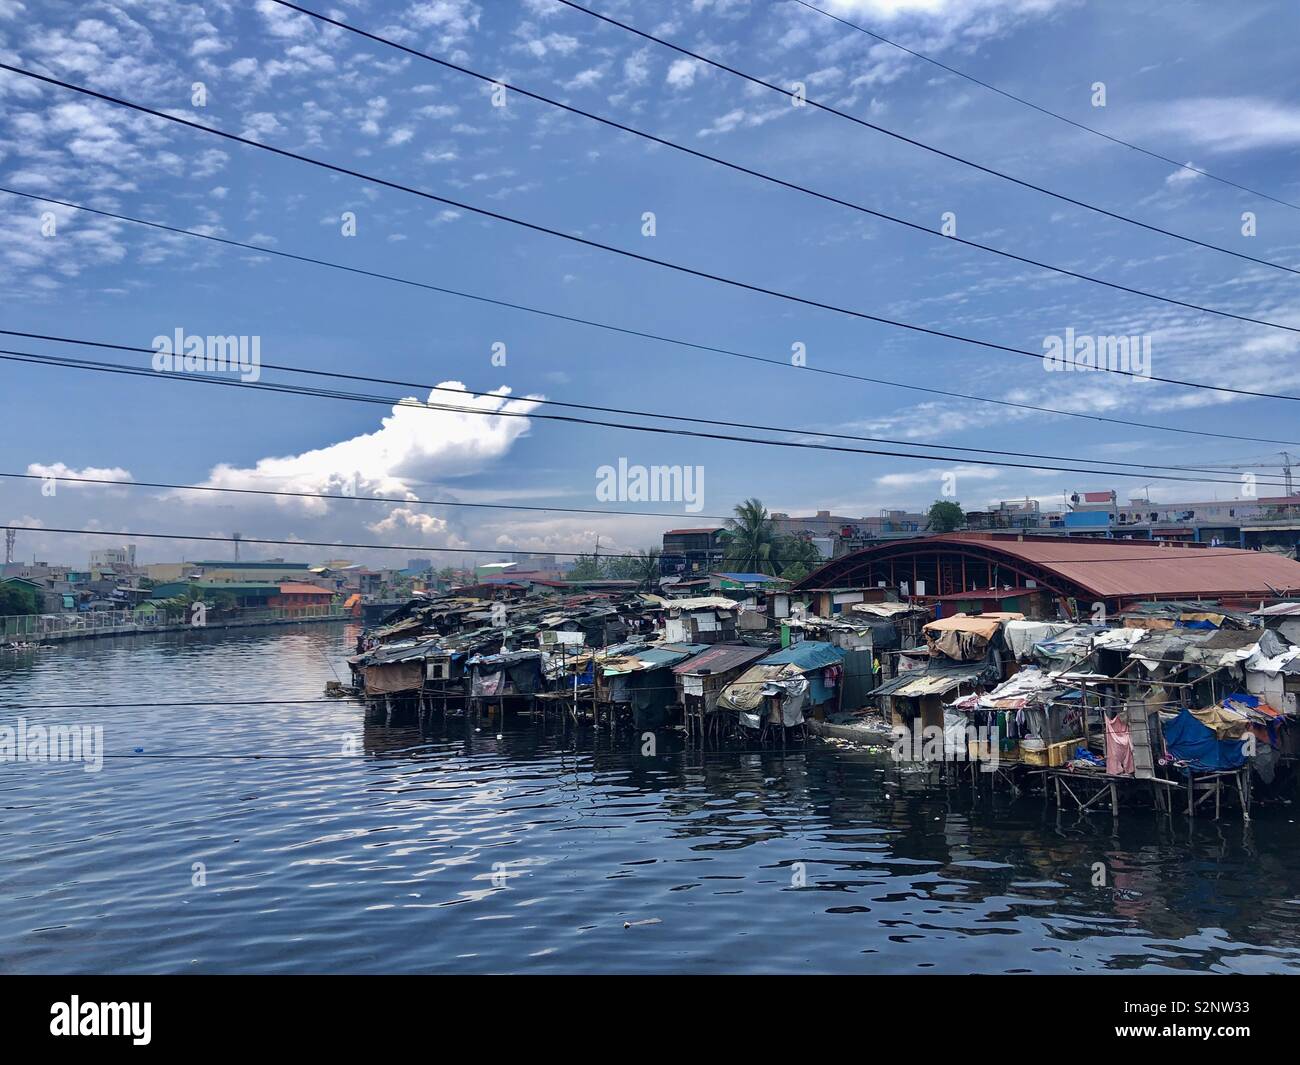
(1127, 568)
(807, 654)
(720, 658)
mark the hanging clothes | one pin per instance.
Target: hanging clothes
(1119, 747)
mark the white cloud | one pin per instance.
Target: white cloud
(415, 442)
(636, 67)
(934, 475)
(1224, 124)
(61, 470)
(585, 79)
(681, 73)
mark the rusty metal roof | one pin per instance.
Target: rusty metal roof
(722, 657)
(1107, 568)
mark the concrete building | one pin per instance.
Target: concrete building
(691, 551)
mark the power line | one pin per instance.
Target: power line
(1043, 110)
(286, 494)
(404, 501)
(754, 80)
(90, 364)
(613, 249)
(794, 186)
(495, 550)
(730, 423)
(1163, 555)
(627, 331)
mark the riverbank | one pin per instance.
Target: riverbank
(34, 634)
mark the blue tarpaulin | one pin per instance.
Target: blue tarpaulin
(810, 657)
(1191, 741)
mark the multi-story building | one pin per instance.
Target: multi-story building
(687, 551)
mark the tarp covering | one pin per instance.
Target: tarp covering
(806, 655)
(703, 602)
(745, 693)
(1119, 639)
(1226, 724)
(1022, 635)
(961, 637)
(884, 610)
(1190, 741)
(394, 677)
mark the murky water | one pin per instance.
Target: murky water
(459, 852)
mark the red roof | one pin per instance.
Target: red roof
(988, 593)
(1103, 568)
(296, 588)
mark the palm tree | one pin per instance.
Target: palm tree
(645, 568)
(798, 557)
(750, 539)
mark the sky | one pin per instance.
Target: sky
(1212, 85)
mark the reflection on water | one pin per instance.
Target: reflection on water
(349, 846)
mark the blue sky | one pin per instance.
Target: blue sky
(1210, 84)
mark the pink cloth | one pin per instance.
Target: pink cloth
(1119, 747)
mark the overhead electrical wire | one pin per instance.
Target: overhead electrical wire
(603, 409)
(404, 501)
(624, 330)
(613, 249)
(391, 401)
(1044, 110)
(794, 186)
(1162, 554)
(991, 171)
(495, 549)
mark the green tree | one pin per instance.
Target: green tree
(945, 515)
(586, 568)
(798, 557)
(645, 568)
(750, 538)
(18, 599)
(795, 571)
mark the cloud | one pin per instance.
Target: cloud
(636, 67)
(415, 442)
(540, 45)
(452, 20)
(935, 475)
(60, 470)
(1224, 124)
(681, 73)
(585, 79)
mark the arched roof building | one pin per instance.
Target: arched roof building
(1089, 570)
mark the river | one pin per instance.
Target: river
(353, 847)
